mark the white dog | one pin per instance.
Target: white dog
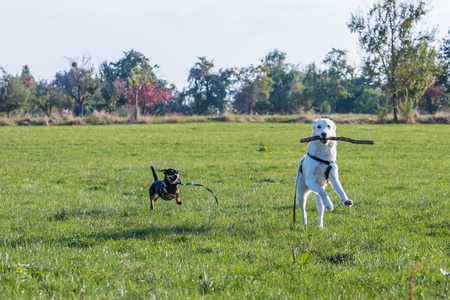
(317, 168)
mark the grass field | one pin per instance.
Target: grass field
(75, 220)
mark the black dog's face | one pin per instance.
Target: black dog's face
(171, 175)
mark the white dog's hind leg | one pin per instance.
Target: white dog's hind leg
(320, 208)
(313, 186)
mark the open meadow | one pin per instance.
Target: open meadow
(75, 219)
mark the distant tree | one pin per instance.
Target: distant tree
(174, 104)
(444, 55)
(13, 93)
(79, 83)
(144, 94)
(133, 77)
(131, 89)
(254, 90)
(109, 88)
(153, 94)
(416, 75)
(336, 60)
(434, 98)
(180, 103)
(28, 81)
(48, 96)
(336, 75)
(314, 91)
(27, 78)
(285, 78)
(369, 101)
(207, 89)
(443, 79)
(132, 61)
(397, 53)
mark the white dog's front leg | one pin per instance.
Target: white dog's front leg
(313, 186)
(337, 187)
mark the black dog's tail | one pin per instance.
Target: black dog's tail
(155, 176)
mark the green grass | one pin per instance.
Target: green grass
(75, 220)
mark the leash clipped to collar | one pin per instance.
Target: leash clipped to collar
(208, 189)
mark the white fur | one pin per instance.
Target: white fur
(312, 179)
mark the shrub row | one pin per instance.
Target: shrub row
(102, 118)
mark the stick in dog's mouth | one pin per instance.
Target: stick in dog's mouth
(336, 138)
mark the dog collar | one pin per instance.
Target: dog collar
(321, 160)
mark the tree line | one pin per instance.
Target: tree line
(405, 69)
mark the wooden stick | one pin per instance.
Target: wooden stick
(337, 138)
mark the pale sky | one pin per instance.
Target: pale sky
(173, 33)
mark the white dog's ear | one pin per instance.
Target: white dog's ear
(316, 118)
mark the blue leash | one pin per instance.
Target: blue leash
(208, 189)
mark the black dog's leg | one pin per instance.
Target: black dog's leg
(177, 198)
(153, 195)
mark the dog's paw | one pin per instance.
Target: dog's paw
(179, 203)
(348, 203)
(328, 205)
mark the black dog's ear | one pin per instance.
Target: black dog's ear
(163, 170)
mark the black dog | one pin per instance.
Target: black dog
(166, 189)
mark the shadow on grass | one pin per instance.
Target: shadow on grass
(65, 214)
(91, 240)
(152, 232)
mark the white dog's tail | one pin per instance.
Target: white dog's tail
(299, 171)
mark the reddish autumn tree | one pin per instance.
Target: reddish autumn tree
(26, 78)
(433, 98)
(149, 94)
(28, 81)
